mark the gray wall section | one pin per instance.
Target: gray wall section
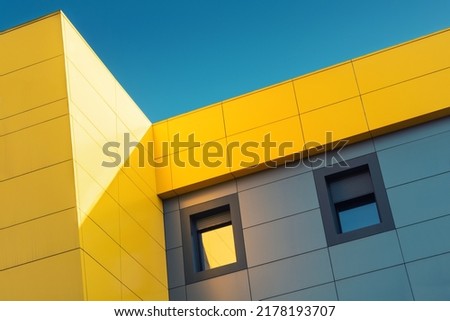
(286, 249)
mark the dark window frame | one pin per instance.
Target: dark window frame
(189, 217)
(327, 207)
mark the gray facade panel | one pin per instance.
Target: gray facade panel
(171, 205)
(416, 160)
(286, 237)
(325, 292)
(177, 294)
(208, 194)
(339, 155)
(277, 200)
(413, 133)
(425, 239)
(175, 267)
(172, 230)
(420, 200)
(229, 287)
(430, 278)
(291, 274)
(271, 175)
(365, 255)
(382, 285)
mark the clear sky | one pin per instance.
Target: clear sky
(173, 56)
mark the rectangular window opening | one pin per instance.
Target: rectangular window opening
(215, 239)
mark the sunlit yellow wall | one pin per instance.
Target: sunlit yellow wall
(362, 98)
(119, 215)
(40, 257)
(70, 228)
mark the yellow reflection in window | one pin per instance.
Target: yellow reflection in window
(217, 247)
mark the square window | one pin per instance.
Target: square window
(213, 243)
(353, 200)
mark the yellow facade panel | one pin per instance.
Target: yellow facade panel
(36, 194)
(95, 111)
(136, 203)
(139, 167)
(101, 285)
(33, 117)
(203, 163)
(58, 277)
(160, 139)
(143, 248)
(325, 87)
(403, 62)
(37, 239)
(88, 64)
(128, 295)
(100, 246)
(403, 102)
(105, 214)
(130, 114)
(90, 155)
(31, 43)
(142, 283)
(264, 144)
(341, 121)
(32, 87)
(201, 126)
(25, 147)
(259, 108)
(164, 177)
(90, 193)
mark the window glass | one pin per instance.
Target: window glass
(217, 247)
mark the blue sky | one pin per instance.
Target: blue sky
(173, 56)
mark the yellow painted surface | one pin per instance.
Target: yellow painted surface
(36, 194)
(34, 117)
(57, 277)
(250, 149)
(150, 256)
(194, 165)
(343, 120)
(160, 136)
(26, 147)
(38, 239)
(100, 246)
(32, 87)
(141, 209)
(101, 285)
(128, 295)
(408, 100)
(119, 209)
(325, 87)
(202, 126)
(104, 213)
(142, 283)
(91, 105)
(403, 62)
(30, 43)
(164, 177)
(259, 108)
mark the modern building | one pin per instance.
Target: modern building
(331, 186)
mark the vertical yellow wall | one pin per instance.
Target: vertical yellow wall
(119, 215)
(70, 228)
(39, 240)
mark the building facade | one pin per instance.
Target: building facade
(330, 186)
